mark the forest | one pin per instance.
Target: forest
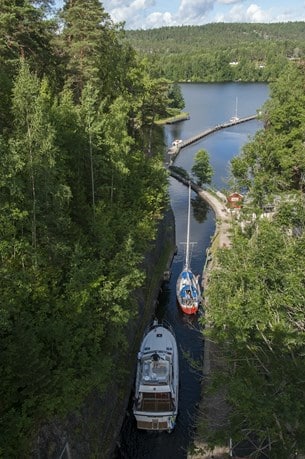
(221, 51)
(83, 189)
(256, 292)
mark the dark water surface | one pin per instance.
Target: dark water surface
(208, 105)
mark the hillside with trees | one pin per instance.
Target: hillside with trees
(220, 52)
(83, 190)
(256, 292)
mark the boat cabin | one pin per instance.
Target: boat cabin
(155, 370)
(154, 391)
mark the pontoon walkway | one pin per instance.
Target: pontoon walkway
(176, 149)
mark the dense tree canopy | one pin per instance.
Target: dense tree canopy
(274, 161)
(82, 190)
(221, 52)
(175, 97)
(256, 292)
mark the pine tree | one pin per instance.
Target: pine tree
(85, 37)
(175, 97)
(26, 33)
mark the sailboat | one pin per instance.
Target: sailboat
(235, 118)
(187, 287)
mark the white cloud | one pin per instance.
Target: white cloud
(255, 14)
(130, 11)
(112, 4)
(139, 13)
(240, 14)
(144, 14)
(228, 2)
(141, 4)
(160, 20)
(119, 14)
(194, 9)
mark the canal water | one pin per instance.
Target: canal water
(208, 105)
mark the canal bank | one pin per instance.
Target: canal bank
(213, 408)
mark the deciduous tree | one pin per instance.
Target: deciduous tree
(202, 168)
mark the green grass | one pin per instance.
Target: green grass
(173, 119)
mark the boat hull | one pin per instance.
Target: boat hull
(190, 310)
(157, 381)
(159, 423)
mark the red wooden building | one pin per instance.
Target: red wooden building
(235, 200)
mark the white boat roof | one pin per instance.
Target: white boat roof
(156, 355)
(159, 339)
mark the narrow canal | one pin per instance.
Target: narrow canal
(221, 146)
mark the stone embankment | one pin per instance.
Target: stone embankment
(217, 201)
(213, 407)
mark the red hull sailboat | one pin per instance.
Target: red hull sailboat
(187, 287)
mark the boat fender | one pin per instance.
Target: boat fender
(171, 422)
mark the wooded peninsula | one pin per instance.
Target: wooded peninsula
(84, 191)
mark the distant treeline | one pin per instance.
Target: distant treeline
(221, 52)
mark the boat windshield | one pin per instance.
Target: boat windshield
(155, 372)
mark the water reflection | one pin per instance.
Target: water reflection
(200, 209)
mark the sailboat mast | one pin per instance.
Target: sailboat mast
(187, 255)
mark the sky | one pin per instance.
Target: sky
(149, 14)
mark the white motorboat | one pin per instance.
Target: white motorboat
(157, 381)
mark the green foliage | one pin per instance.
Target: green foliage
(202, 168)
(175, 96)
(261, 331)
(274, 161)
(83, 35)
(206, 53)
(256, 292)
(82, 190)
(24, 30)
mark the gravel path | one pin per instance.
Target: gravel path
(222, 214)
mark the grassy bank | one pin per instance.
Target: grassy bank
(183, 116)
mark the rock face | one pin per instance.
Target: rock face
(92, 432)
